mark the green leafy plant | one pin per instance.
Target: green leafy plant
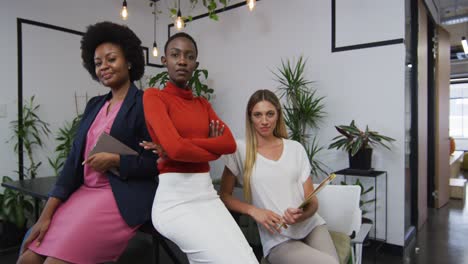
(352, 139)
(30, 131)
(303, 109)
(362, 202)
(64, 137)
(210, 5)
(15, 205)
(159, 80)
(196, 82)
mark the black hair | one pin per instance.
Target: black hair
(181, 35)
(121, 35)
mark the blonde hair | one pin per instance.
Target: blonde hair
(250, 135)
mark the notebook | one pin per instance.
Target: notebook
(108, 143)
(307, 200)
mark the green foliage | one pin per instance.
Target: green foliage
(352, 139)
(317, 167)
(31, 131)
(196, 82)
(210, 5)
(303, 109)
(363, 192)
(64, 137)
(198, 87)
(14, 206)
(159, 80)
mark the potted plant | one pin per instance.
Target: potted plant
(64, 137)
(358, 144)
(13, 211)
(303, 109)
(30, 130)
(14, 206)
(199, 88)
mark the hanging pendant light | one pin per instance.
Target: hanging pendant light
(155, 49)
(251, 4)
(155, 46)
(179, 22)
(124, 11)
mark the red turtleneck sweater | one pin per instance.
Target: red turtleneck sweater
(179, 122)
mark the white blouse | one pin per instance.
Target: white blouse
(276, 186)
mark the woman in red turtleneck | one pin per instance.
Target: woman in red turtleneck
(186, 208)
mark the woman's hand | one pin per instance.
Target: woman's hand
(267, 219)
(156, 148)
(292, 216)
(216, 129)
(38, 232)
(103, 161)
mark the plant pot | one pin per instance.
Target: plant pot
(362, 160)
(10, 235)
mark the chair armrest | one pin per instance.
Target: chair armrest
(362, 234)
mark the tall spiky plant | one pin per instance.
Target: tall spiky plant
(303, 109)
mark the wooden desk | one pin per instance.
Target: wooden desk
(39, 188)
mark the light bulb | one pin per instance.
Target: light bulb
(124, 12)
(465, 45)
(251, 4)
(179, 22)
(155, 50)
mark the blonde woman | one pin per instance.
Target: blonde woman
(275, 175)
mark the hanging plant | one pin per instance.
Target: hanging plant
(210, 5)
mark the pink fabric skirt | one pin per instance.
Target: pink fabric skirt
(87, 228)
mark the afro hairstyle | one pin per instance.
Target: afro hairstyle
(124, 37)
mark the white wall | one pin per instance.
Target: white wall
(52, 68)
(367, 85)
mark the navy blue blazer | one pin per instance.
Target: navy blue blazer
(135, 188)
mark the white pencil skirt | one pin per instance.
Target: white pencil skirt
(188, 211)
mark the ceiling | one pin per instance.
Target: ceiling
(449, 10)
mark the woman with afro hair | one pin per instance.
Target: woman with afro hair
(92, 213)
